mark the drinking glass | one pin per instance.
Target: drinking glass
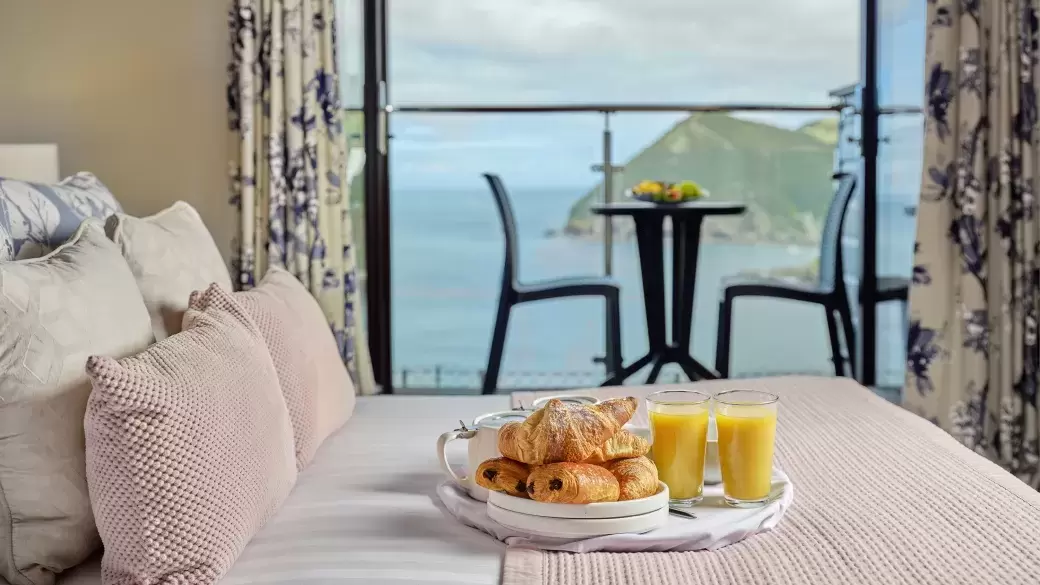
(746, 423)
(679, 432)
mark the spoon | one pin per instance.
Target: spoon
(682, 512)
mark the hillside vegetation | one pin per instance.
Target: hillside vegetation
(783, 175)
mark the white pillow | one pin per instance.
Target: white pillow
(171, 254)
(55, 311)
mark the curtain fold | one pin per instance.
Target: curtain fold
(288, 161)
(973, 355)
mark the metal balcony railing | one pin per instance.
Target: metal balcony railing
(606, 165)
(845, 105)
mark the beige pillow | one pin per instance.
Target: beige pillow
(189, 449)
(55, 311)
(318, 391)
(171, 254)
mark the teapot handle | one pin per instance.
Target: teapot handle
(442, 456)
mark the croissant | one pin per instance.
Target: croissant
(622, 445)
(503, 475)
(637, 477)
(557, 432)
(572, 483)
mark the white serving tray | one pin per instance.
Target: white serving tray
(527, 507)
(578, 527)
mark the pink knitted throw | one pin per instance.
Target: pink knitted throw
(883, 496)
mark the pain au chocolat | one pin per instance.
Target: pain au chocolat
(503, 475)
(572, 483)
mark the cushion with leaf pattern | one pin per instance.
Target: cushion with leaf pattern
(36, 218)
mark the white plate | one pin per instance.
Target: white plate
(599, 510)
(578, 528)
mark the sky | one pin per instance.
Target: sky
(595, 51)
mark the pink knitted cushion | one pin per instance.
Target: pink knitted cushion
(189, 449)
(317, 388)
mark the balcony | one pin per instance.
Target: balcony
(444, 244)
(447, 242)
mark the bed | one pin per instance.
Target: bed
(362, 511)
(882, 496)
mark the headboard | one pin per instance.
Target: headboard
(37, 163)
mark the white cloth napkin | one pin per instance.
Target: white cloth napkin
(716, 525)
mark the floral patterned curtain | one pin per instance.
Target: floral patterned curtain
(973, 355)
(289, 160)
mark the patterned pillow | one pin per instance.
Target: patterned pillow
(189, 449)
(171, 254)
(54, 312)
(38, 218)
(318, 391)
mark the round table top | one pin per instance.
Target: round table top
(645, 208)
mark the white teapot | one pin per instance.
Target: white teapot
(483, 445)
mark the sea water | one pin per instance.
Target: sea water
(447, 249)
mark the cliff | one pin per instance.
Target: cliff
(783, 175)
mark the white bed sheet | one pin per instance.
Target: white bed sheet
(363, 513)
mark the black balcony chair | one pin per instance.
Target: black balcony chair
(514, 293)
(829, 291)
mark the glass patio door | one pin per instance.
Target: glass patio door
(450, 63)
(901, 50)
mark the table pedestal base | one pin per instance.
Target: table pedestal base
(686, 219)
(693, 369)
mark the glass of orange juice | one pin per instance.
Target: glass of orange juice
(746, 423)
(679, 433)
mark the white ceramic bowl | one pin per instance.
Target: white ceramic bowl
(497, 419)
(575, 399)
(578, 527)
(582, 511)
(641, 431)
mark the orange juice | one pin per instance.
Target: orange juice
(679, 439)
(746, 436)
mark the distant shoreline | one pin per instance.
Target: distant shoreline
(801, 272)
(709, 236)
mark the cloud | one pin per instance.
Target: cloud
(892, 11)
(498, 51)
(565, 28)
(416, 132)
(495, 144)
(595, 51)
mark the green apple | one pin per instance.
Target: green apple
(690, 190)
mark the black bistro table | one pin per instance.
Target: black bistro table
(686, 236)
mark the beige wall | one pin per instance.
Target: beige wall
(132, 90)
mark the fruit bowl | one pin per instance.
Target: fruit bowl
(665, 192)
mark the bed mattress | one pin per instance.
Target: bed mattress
(362, 511)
